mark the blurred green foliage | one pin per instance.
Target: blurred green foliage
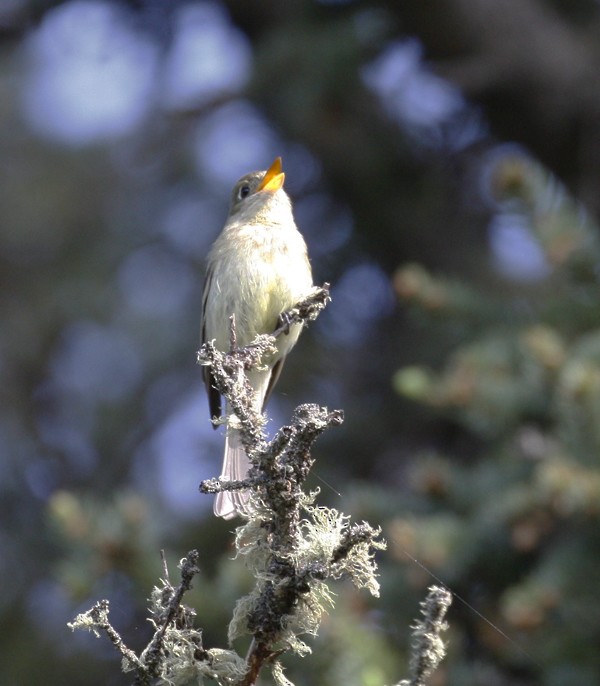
(528, 386)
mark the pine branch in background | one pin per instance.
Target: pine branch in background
(292, 547)
(513, 352)
(445, 298)
(526, 491)
(566, 233)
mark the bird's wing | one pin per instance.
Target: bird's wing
(275, 372)
(214, 398)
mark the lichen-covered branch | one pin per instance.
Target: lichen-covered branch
(96, 620)
(306, 310)
(173, 623)
(427, 647)
(168, 611)
(229, 378)
(293, 547)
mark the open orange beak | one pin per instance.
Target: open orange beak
(274, 177)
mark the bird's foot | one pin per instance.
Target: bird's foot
(284, 321)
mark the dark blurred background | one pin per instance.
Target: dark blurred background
(444, 162)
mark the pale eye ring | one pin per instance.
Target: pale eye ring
(244, 192)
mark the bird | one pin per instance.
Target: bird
(257, 269)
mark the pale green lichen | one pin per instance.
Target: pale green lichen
(278, 675)
(323, 546)
(328, 535)
(427, 647)
(87, 622)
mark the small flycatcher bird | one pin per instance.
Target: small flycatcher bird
(257, 269)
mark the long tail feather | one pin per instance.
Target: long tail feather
(229, 504)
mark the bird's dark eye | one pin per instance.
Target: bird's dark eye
(244, 192)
